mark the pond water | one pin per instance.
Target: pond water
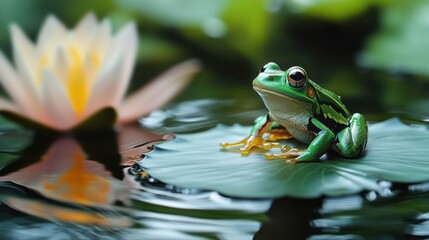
(88, 186)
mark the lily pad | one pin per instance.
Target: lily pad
(396, 152)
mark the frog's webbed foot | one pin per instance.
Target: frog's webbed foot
(293, 155)
(250, 142)
(278, 134)
(288, 153)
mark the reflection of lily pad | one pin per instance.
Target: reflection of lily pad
(378, 219)
(396, 152)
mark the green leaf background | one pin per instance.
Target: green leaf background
(402, 42)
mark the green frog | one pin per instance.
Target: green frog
(301, 109)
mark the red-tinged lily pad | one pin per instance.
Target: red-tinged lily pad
(396, 152)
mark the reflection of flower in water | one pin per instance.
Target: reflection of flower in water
(79, 185)
(69, 75)
(65, 175)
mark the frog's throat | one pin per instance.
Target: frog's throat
(289, 112)
(281, 104)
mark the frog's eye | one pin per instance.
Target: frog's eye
(296, 77)
(263, 68)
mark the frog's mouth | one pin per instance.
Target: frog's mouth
(263, 92)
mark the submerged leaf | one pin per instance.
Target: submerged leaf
(396, 152)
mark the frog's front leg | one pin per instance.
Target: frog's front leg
(319, 146)
(262, 125)
(352, 140)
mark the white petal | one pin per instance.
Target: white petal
(60, 63)
(126, 39)
(16, 89)
(158, 92)
(24, 53)
(103, 41)
(105, 86)
(113, 77)
(25, 61)
(52, 33)
(57, 103)
(86, 31)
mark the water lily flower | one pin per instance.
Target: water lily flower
(68, 75)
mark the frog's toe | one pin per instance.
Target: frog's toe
(286, 148)
(251, 142)
(224, 145)
(269, 156)
(244, 151)
(268, 145)
(288, 159)
(287, 155)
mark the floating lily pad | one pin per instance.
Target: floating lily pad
(396, 152)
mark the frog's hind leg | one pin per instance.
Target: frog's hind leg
(351, 141)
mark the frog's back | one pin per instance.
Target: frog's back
(331, 111)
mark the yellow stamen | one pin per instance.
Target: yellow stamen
(78, 88)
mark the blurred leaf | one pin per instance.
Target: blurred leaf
(413, 109)
(176, 13)
(247, 23)
(402, 44)
(22, 12)
(333, 10)
(7, 125)
(13, 142)
(156, 49)
(396, 152)
(6, 159)
(13, 139)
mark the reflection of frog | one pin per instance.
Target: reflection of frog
(308, 113)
